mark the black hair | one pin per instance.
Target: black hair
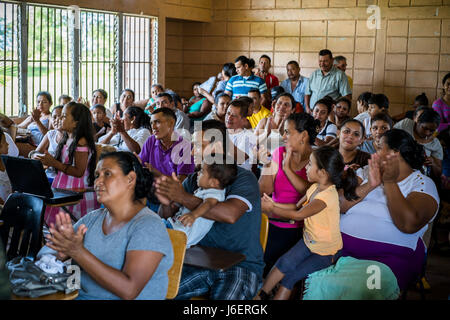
(380, 100)
(2, 134)
(216, 125)
(229, 69)
(65, 96)
(60, 106)
(325, 52)
(167, 112)
(364, 98)
(429, 116)
(144, 178)
(242, 104)
(347, 101)
(329, 159)
(332, 101)
(382, 117)
(339, 59)
(295, 63)
(418, 109)
(422, 99)
(401, 141)
(141, 119)
(305, 122)
(354, 121)
(46, 94)
(254, 90)
(224, 170)
(99, 106)
(275, 91)
(445, 78)
(286, 94)
(84, 129)
(267, 57)
(326, 102)
(196, 83)
(220, 95)
(158, 85)
(244, 60)
(165, 94)
(129, 90)
(102, 92)
(251, 64)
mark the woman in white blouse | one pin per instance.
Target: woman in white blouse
(397, 202)
(130, 132)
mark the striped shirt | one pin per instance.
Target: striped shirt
(240, 86)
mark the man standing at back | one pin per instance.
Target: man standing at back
(240, 84)
(295, 84)
(263, 72)
(340, 62)
(326, 81)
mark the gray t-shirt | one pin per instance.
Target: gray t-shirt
(432, 148)
(145, 231)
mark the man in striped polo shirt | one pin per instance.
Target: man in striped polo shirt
(245, 80)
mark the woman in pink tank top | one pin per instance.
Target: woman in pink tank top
(284, 178)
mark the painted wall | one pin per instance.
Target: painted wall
(408, 55)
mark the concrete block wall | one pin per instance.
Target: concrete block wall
(408, 55)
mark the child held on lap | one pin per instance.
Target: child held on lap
(212, 180)
(322, 242)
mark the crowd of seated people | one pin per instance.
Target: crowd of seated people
(333, 182)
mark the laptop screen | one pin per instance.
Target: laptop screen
(27, 176)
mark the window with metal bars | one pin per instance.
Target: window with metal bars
(72, 51)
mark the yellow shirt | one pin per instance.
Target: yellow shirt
(256, 117)
(321, 233)
(350, 82)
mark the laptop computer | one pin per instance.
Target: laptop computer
(28, 176)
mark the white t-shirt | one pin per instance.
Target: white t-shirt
(13, 151)
(201, 226)
(432, 148)
(139, 135)
(362, 116)
(245, 140)
(329, 130)
(367, 124)
(370, 219)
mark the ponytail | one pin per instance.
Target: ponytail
(348, 182)
(331, 160)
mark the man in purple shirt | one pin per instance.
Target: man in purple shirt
(165, 152)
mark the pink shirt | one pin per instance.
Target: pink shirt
(283, 190)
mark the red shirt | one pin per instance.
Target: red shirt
(271, 81)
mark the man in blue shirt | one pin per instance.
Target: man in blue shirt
(240, 84)
(236, 227)
(295, 84)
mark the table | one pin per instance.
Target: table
(70, 203)
(212, 258)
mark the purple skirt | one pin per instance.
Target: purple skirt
(405, 263)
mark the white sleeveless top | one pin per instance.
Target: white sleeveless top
(370, 219)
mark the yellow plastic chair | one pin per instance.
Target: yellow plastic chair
(178, 239)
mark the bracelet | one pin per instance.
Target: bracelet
(31, 153)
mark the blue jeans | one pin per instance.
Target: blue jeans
(299, 262)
